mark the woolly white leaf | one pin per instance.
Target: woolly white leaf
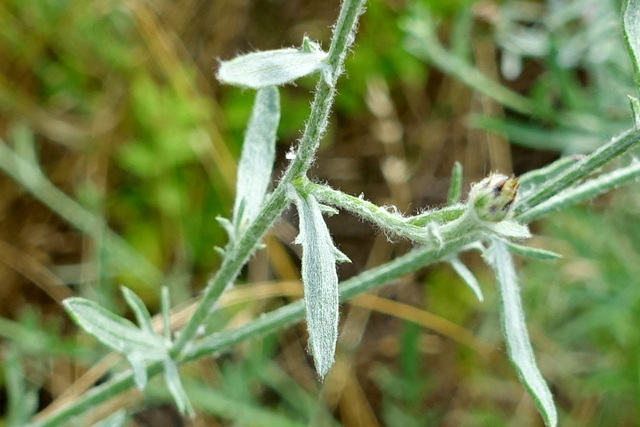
(467, 276)
(515, 331)
(320, 281)
(257, 158)
(273, 67)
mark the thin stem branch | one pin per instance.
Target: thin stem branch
(270, 322)
(581, 169)
(276, 203)
(582, 192)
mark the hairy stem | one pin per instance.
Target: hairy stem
(316, 125)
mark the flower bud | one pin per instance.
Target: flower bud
(493, 197)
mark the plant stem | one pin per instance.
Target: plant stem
(614, 148)
(270, 322)
(582, 192)
(314, 130)
(294, 312)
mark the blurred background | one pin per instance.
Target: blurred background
(118, 152)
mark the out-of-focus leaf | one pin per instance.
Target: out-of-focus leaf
(172, 380)
(139, 309)
(137, 345)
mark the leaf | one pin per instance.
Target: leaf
(136, 360)
(631, 30)
(172, 380)
(455, 185)
(509, 229)
(113, 331)
(467, 276)
(515, 331)
(273, 67)
(320, 281)
(257, 158)
(166, 312)
(635, 110)
(139, 309)
(21, 402)
(530, 252)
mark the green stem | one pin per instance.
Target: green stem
(294, 312)
(614, 148)
(314, 130)
(432, 233)
(270, 322)
(582, 192)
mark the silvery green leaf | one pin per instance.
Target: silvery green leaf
(635, 110)
(139, 309)
(227, 226)
(455, 184)
(113, 331)
(328, 210)
(172, 380)
(530, 252)
(273, 67)
(467, 276)
(320, 281)
(515, 331)
(257, 158)
(166, 312)
(139, 368)
(631, 30)
(509, 229)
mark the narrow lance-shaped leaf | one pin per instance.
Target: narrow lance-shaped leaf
(258, 156)
(137, 345)
(112, 330)
(635, 110)
(139, 309)
(535, 253)
(455, 185)
(174, 385)
(166, 312)
(273, 67)
(320, 281)
(467, 276)
(515, 331)
(631, 30)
